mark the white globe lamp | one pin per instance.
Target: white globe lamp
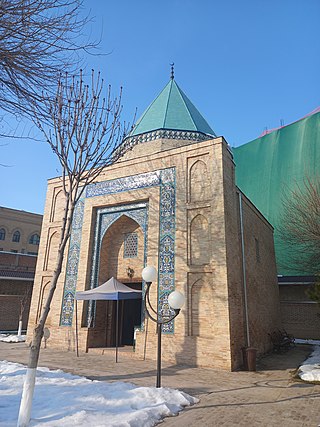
(149, 274)
(176, 300)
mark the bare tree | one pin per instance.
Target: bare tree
(38, 38)
(84, 132)
(300, 227)
(23, 304)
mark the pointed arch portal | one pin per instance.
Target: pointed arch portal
(165, 179)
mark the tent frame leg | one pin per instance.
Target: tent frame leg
(117, 330)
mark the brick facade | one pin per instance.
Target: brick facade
(300, 316)
(208, 267)
(27, 224)
(19, 231)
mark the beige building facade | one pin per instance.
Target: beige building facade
(19, 243)
(171, 202)
(19, 231)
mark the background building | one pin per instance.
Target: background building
(19, 243)
(267, 170)
(170, 201)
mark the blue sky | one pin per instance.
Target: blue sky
(245, 65)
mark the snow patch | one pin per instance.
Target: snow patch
(310, 369)
(12, 338)
(300, 341)
(62, 399)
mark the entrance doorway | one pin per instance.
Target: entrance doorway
(131, 319)
(121, 255)
(129, 312)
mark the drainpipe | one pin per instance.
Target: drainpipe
(244, 272)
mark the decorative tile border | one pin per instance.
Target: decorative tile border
(127, 183)
(166, 244)
(72, 266)
(105, 217)
(193, 136)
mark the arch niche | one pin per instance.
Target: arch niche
(200, 251)
(121, 249)
(199, 184)
(202, 324)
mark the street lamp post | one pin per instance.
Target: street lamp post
(175, 301)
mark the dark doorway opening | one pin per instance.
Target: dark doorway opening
(129, 312)
(131, 319)
(130, 316)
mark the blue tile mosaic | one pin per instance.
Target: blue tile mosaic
(106, 217)
(166, 243)
(72, 266)
(127, 183)
(130, 141)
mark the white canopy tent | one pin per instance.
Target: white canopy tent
(112, 290)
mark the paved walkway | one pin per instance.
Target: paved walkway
(269, 397)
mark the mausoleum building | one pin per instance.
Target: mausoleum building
(171, 202)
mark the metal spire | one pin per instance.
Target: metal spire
(172, 71)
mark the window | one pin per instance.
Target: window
(14, 251)
(2, 234)
(257, 250)
(130, 245)
(32, 253)
(34, 239)
(16, 236)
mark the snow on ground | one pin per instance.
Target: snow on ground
(310, 369)
(12, 338)
(62, 399)
(299, 341)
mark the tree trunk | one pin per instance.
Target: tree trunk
(26, 400)
(30, 379)
(29, 383)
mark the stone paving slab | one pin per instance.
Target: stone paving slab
(269, 397)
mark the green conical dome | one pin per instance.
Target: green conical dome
(171, 110)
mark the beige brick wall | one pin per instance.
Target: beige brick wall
(45, 266)
(234, 261)
(300, 319)
(16, 281)
(11, 294)
(300, 316)
(210, 329)
(262, 284)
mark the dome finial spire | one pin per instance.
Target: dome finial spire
(172, 70)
